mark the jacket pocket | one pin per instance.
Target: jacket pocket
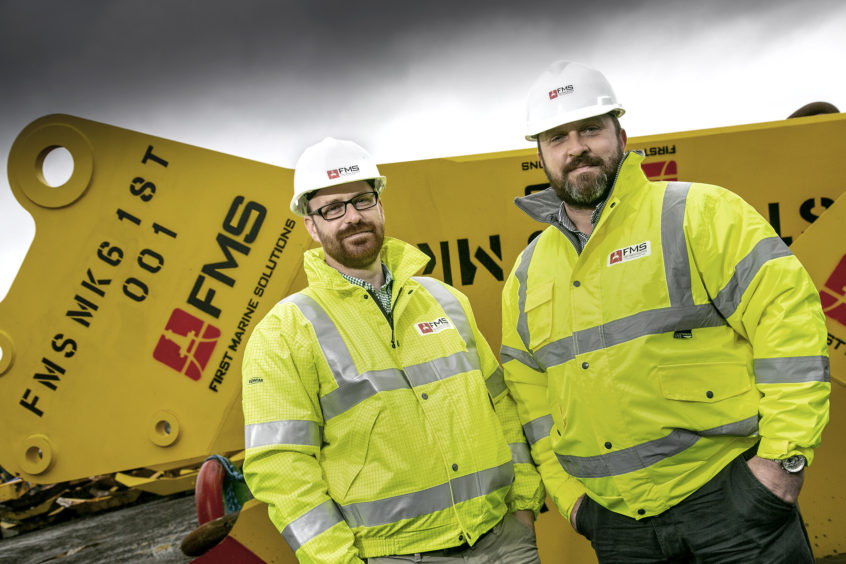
(708, 396)
(351, 455)
(539, 306)
(706, 382)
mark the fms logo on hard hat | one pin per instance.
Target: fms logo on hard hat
(341, 171)
(561, 91)
(833, 294)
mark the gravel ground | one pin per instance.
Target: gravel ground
(147, 532)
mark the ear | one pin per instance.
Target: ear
(540, 157)
(312, 229)
(623, 138)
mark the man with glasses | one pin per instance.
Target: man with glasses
(378, 425)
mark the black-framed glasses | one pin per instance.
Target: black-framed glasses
(337, 210)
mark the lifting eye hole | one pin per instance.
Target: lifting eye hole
(56, 166)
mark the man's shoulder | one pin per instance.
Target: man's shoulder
(434, 285)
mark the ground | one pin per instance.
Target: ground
(145, 533)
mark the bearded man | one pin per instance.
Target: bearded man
(378, 425)
(666, 351)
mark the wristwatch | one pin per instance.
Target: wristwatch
(793, 464)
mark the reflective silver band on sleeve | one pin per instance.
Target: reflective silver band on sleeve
(538, 429)
(289, 432)
(496, 383)
(311, 524)
(520, 453)
(728, 299)
(792, 370)
(509, 353)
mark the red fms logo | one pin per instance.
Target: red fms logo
(616, 256)
(436, 326)
(341, 171)
(666, 171)
(833, 295)
(631, 252)
(560, 91)
(187, 344)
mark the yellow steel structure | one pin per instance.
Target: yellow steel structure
(822, 249)
(122, 334)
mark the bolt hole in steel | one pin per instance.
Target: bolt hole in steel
(165, 429)
(52, 164)
(37, 455)
(56, 165)
(34, 455)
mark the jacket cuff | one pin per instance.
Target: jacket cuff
(777, 449)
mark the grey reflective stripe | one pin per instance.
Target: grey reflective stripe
(555, 353)
(291, 432)
(646, 454)
(334, 349)
(353, 387)
(430, 500)
(452, 307)
(520, 453)
(522, 274)
(352, 393)
(745, 428)
(538, 429)
(307, 526)
(509, 353)
(674, 244)
(728, 299)
(644, 323)
(793, 370)
(496, 383)
(441, 368)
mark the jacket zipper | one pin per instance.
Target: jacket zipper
(389, 315)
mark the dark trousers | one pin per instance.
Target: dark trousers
(731, 519)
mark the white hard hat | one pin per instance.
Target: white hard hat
(568, 92)
(329, 163)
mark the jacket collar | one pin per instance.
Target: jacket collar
(402, 259)
(543, 206)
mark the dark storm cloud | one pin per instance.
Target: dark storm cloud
(262, 79)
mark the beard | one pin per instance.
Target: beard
(590, 187)
(358, 253)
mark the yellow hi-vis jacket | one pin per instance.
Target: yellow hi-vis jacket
(366, 439)
(683, 333)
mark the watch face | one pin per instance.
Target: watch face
(793, 463)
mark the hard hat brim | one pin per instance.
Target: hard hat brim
(570, 117)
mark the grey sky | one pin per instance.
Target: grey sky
(408, 80)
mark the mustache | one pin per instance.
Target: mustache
(584, 160)
(357, 228)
